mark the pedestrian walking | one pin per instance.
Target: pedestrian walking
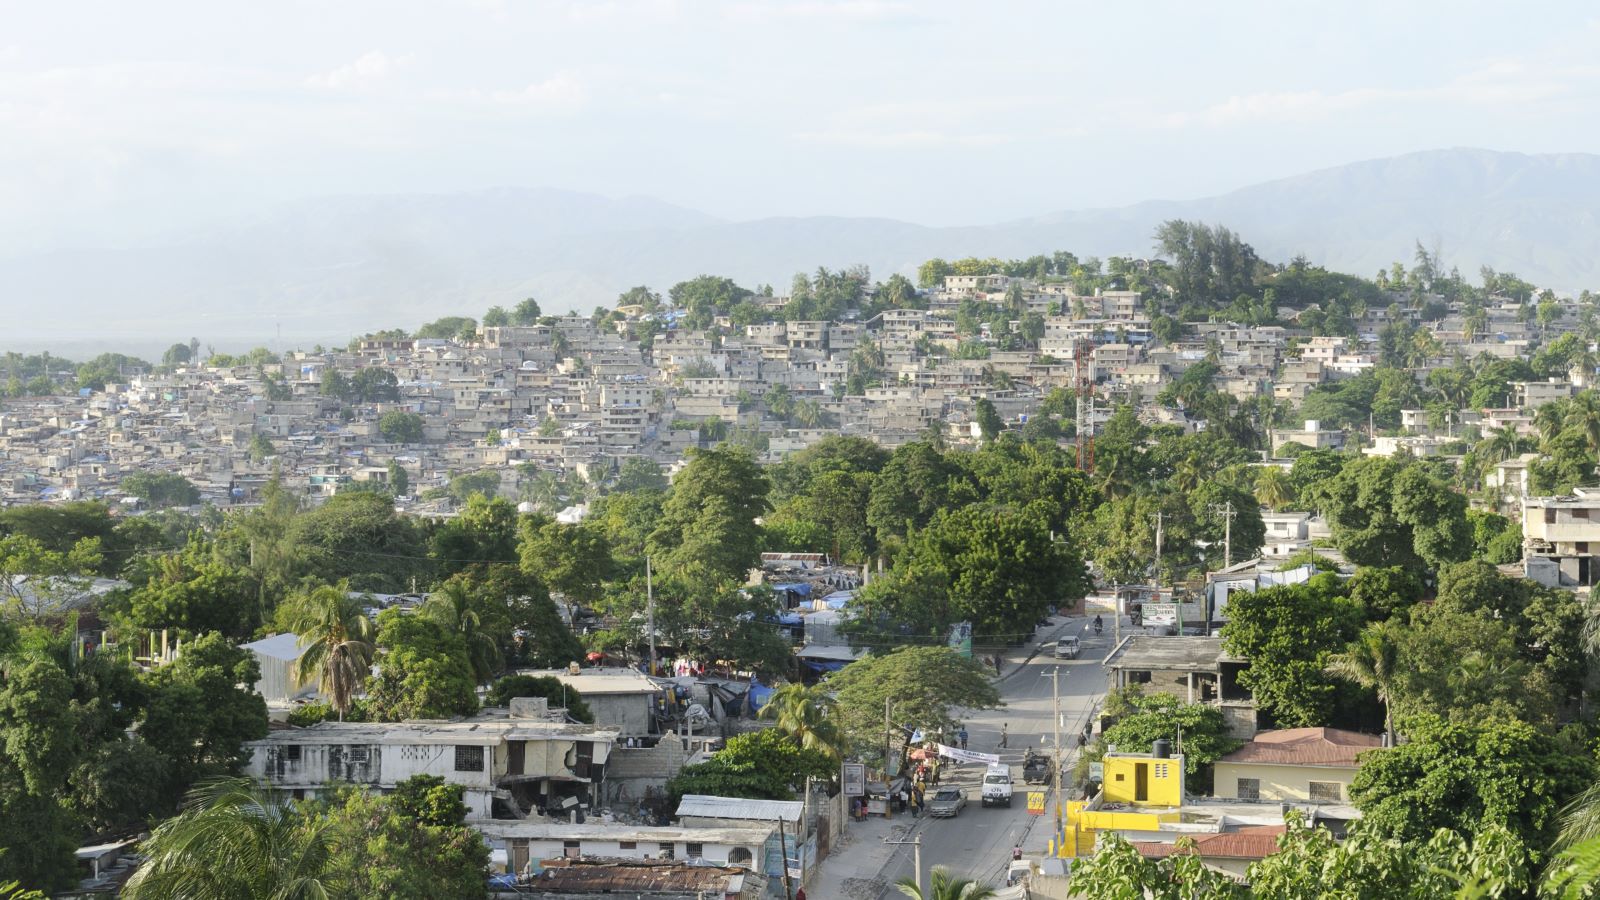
(1003, 729)
(962, 736)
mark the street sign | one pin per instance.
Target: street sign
(1161, 613)
(1036, 803)
(855, 779)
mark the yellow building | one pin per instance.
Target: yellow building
(1139, 792)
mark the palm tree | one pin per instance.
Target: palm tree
(802, 713)
(340, 649)
(1548, 420)
(945, 886)
(1274, 490)
(234, 842)
(1501, 444)
(1583, 413)
(451, 606)
(1372, 660)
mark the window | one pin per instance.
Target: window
(1581, 547)
(627, 845)
(1249, 789)
(571, 849)
(1161, 770)
(469, 759)
(292, 753)
(666, 848)
(1327, 792)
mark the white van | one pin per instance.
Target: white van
(997, 786)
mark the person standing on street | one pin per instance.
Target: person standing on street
(1003, 729)
(962, 737)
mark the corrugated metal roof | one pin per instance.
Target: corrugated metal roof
(1305, 747)
(708, 807)
(591, 875)
(1258, 842)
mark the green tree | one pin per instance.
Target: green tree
(526, 312)
(1274, 488)
(803, 713)
(1289, 633)
(190, 594)
(507, 688)
(339, 644)
(708, 520)
(1198, 729)
(399, 481)
(414, 843)
(573, 560)
(454, 608)
(360, 538)
(1117, 871)
(1372, 660)
(203, 708)
(271, 852)
(260, 448)
(762, 765)
(922, 685)
(496, 317)
(1467, 777)
(1385, 511)
(640, 474)
(944, 886)
(997, 568)
(424, 670)
(400, 427)
(161, 489)
(989, 421)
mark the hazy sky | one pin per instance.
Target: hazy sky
(119, 120)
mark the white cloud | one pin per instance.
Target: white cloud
(903, 139)
(839, 10)
(372, 68)
(559, 92)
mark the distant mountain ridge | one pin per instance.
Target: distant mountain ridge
(326, 269)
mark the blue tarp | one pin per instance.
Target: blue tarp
(802, 590)
(788, 618)
(758, 696)
(823, 665)
(839, 599)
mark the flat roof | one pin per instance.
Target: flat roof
(558, 830)
(600, 681)
(1178, 653)
(468, 731)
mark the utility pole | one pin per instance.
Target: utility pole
(1055, 774)
(1157, 578)
(650, 613)
(783, 851)
(916, 861)
(1227, 512)
(886, 704)
(1116, 614)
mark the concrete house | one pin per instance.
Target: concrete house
(1561, 538)
(1298, 764)
(509, 766)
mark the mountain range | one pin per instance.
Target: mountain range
(323, 270)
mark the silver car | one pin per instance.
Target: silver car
(948, 802)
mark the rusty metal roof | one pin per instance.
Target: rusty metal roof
(647, 875)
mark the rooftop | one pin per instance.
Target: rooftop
(636, 875)
(600, 680)
(1305, 747)
(468, 731)
(709, 807)
(1148, 653)
(1257, 842)
(562, 830)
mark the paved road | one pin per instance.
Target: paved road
(977, 844)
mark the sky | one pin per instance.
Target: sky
(123, 123)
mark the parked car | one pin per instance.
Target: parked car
(1068, 648)
(948, 802)
(1036, 768)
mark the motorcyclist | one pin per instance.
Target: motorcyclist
(1098, 625)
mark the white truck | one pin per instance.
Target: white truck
(997, 785)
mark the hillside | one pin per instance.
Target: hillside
(326, 269)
